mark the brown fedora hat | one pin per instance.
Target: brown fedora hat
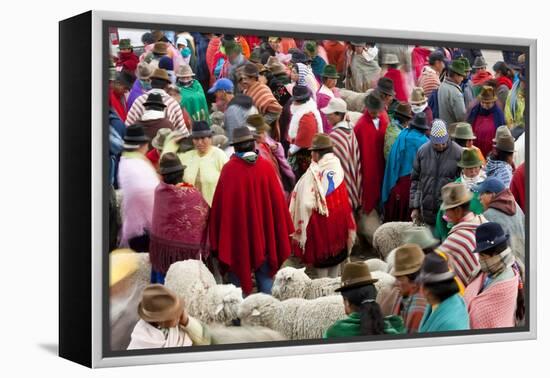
(404, 110)
(159, 304)
(160, 48)
(417, 96)
(505, 143)
(275, 66)
(487, 94)
(356, 274)
(408, 259)
(257, 121)
(161, 74)
(455, 194)
(320, 142)
(241, 134)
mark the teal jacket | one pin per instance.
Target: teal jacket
(450, 315)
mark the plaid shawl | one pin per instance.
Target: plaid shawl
(411, 309)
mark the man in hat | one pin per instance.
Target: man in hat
(419, 103)
(460, 242)
(446, 309)
(117, 94)
(262, 97)
(137, 180)
(319, 206)
(429, 78)
(176, 203)
(192, 95)
(495, 299)
(390, 64)
(481, 75)
(126, 59)
(203, 163)
(467, 86)
(385, 90)
(269, 48)
(327, 92)
(305, 122)
(450, 97)
(410, 304)
(464, 136)
(224, 91)
(160, 82)
(485, 117)
(399, 165)
(361, 66)
(165, 322)
(346, 148)
(154, 117)
(142, 84)
(370, 131)
(434, 166)
(250, 225)
(472, 175)
(501, 207)
(501, 159)
(400, 120)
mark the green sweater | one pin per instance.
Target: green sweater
(351, 326)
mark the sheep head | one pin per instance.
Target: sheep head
(258, 309)
(290, 282)
(223, 303)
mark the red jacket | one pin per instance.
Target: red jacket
(371, 146)
(307, 128)
(128, 61)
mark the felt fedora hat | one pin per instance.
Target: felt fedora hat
(385, 85)
(502, 130)
(170, 163)
(144, 71)
(184, 70)
(200, 130)
(434, 269)
(356, 274)
(159, 304)
(455, 194)
(154, 99)
(161, 74)
(467, 67)
(463, 130)
(419, 122)
(479, 62)
(320, 141)
(390, 59)
(408, 259)
(299, 57)
(160, 138)
(125, 44)
(250, 69)
(330, 72)
(487, 94)
(469, 159)
(489, 235)
(505, 143)
(241, 134)
(275, 66)
(458, 66)
(421, 236)
(300, 93)
(135, 134)
(404, 110)
(417, 96)
(373, 102)
(257, 122)
(160, 48)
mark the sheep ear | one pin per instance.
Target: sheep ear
(255, 312)
(219, 308)
(302, 269)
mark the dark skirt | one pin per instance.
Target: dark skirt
(397, 208)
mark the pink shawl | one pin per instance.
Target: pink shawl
(495, 307)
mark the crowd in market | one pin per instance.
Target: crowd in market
(252, 153)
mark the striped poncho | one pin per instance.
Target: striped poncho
(459, 247)
(347, 150)
(263, 98)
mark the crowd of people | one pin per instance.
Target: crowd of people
(251, 152)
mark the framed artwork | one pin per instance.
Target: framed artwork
(235, 189)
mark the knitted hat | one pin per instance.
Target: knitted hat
(408, 259)
(439, 134)
(182, 41)
(463, 130)
(170, 163)
(144, 71)
(491, 185)
(489, 235)
(159, 304)
(469, 159)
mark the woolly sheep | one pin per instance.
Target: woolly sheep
(204, 299)
(290, 282)
(390, 260)
(354, 100)
(295, 318)
(245, 334)
(385, 281)
(217, 118)
(389, 236)
(377, 265)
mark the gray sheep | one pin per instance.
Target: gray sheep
(390, 236)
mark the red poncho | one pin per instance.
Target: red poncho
(180, 218)
(371, 146)
(128, 61)
(118, 104)
(398, 84)
(420, 58)
(249, 219)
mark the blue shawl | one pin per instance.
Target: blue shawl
(498, 115)
(401, 158)
(450, 315)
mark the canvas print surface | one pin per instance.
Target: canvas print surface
(271, 188)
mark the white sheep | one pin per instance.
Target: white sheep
(385, 281)
(204, 299)
(354, 100)
(290, 282)
(377, 265)
(244, 334)
(390, 260)
(389, 236)
(296, 318)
